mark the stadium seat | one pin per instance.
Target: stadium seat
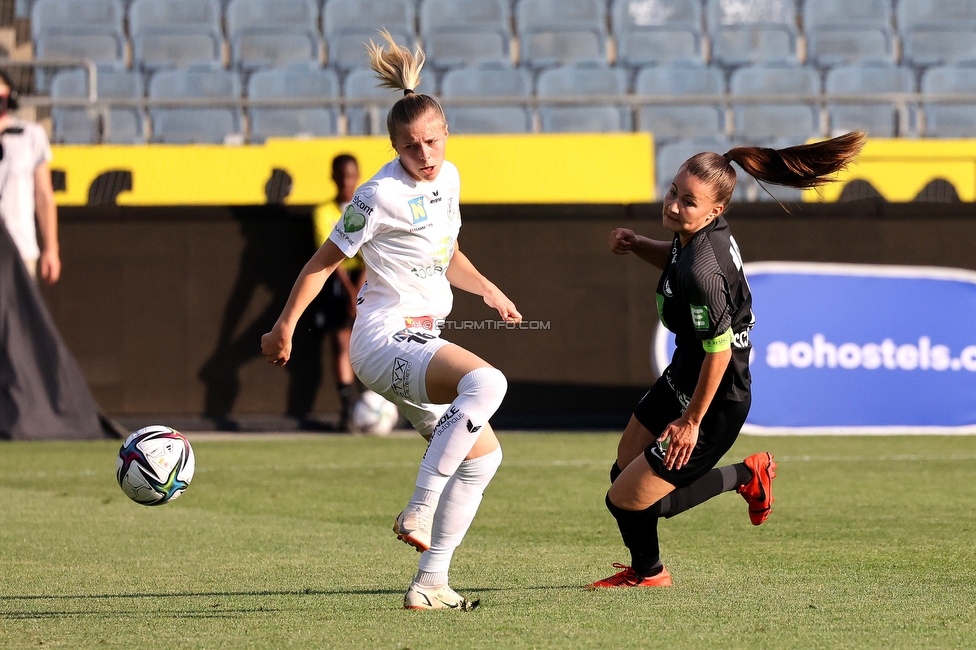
(487, 81)
(879, 119)
(81, 125)
(371, 120)
(295, 81)
(195, 125)
(670, 157)
(657, 31)
(849, 31)
(77, 29)
(787, 117)
(350, 24)
(753, 31)
(678, 120)
(582, 81)
(936, 32)
(950, 119)
(562, 32)
(461, 33)
(270, 33)
(175, 33)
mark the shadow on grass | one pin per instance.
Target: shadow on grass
(294, 592)
(210, 612)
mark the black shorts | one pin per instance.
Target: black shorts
(719, 429)
(330, 309)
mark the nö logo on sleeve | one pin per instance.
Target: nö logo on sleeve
(854, 348)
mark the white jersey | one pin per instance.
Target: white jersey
(406, 232)
(25, 147)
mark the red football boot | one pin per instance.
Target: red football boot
(758, 492)
(629, 578)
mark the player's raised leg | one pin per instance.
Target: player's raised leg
(474, 391)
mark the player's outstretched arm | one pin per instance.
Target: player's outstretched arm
(655, 253)
(276, 344)
(462, 274)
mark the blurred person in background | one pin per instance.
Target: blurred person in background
(27, 204)
(334, 309)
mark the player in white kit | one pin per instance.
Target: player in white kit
(405, 222)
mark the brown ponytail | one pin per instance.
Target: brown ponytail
(803, 166)
(399, 68)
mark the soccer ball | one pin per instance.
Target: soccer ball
(155, 465)
(374, 414)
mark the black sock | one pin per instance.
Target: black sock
(639, 532)
(717, 481)
(345, 398)
(614, 472)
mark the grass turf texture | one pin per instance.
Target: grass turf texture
(286, 543)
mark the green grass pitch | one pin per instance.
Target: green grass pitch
(286, 543)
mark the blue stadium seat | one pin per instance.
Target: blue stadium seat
(753, 31)
(295, 81)
(488, 81)
(880, 119)
(371, 120)
(657, 31)
(582, 81)
(461, 33)
(562, 32)
(950, 119)
(350, 24)
(670, 157)
(849, 31)
(783, 117)
(269, 33)
(175, 33)
(77, 29)
(682, 121)
(81, 125)
(935, 32)
(195, 125)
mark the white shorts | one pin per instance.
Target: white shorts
(395, 366)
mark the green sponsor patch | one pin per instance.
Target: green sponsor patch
(352, 221)
(699, 317)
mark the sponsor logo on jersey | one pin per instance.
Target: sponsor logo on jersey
(699, 317)
(667, 288)
(401, 377)
(367, 190)
(362, 205)
(452, 415)
(472, 428)
(437, 198)
(352, 221)
(417, 210)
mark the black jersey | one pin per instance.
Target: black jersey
(703, 297)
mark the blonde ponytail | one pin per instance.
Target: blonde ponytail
(399, 68)
(396, 68)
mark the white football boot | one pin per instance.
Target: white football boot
(443, 597)
(413, 526)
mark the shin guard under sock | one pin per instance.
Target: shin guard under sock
(638, 529)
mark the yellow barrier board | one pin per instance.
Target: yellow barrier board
(900, 169)
(544, 168)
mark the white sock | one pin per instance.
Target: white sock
(455, 512)
(480, 393)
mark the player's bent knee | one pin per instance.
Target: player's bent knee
(486, 386)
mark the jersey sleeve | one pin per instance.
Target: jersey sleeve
(41, 146)
(710, 305)
(360, 221)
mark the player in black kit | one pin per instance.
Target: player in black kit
(692, 415)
